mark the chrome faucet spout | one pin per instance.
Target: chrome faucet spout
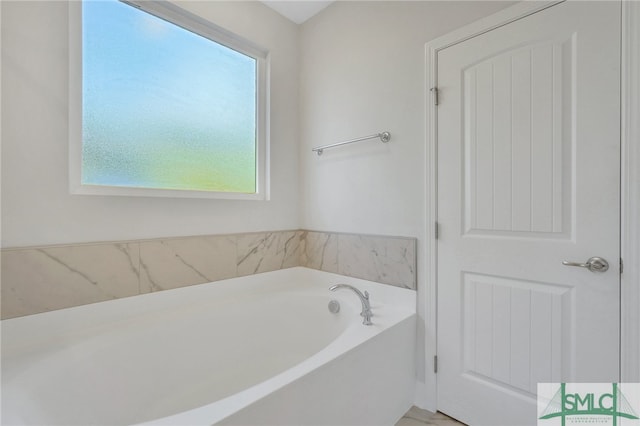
(364, 299)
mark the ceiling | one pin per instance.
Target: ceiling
(297, 11)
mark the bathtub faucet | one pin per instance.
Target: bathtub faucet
(364, 299)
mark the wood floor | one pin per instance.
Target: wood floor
(417, 417)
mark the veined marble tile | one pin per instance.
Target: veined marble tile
(44, 279)
(388, 260)
(268, 251)
(319, 251)
(179, 262)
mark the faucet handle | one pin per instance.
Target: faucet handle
(366, 294)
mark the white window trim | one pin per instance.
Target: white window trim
(198, 25)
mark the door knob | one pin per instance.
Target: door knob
(594, 264)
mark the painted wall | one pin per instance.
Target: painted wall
(355, 69)
(362, 72)
(362, 68)
(37, 208)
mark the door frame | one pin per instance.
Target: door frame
(630, 193)
(426, 394)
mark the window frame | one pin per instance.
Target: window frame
(200, 26)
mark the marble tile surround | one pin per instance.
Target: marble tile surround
(40, 279)
(388, 260)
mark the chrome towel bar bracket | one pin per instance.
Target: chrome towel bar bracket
(384, 137)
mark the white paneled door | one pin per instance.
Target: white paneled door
(528, 177)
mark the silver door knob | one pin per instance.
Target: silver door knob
(594, 264)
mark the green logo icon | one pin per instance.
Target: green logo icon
(565, 404)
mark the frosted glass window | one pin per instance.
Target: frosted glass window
(164, 107)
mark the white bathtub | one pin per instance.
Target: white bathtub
(262, 349)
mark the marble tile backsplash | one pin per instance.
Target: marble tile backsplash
(319, 251)
(40, 279)
(388, 260)
(380, 259)
(49, 278)
(267, 251)
(180, 262)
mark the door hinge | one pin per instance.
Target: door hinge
(436, 230)
(621, 265)
(434, 90)
(435, 363)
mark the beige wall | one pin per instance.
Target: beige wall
(362, 71)
(359, 66)
(354, 69)
(37, 208)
